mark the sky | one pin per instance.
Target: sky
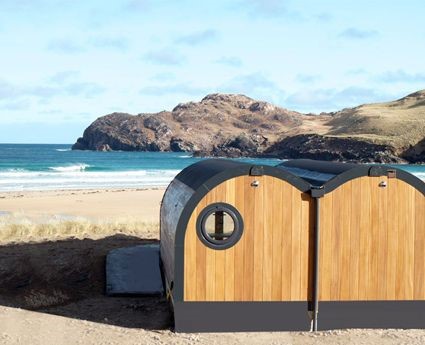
(64, 63)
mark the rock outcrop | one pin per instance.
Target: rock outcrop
(236, 125)
(327, 148)
(220, 122)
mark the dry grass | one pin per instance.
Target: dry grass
(19, 228)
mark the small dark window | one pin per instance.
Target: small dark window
(219, 226)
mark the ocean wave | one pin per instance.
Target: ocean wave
(420, 175)
(71, 168)
(62, 150)
(21, 181)
(16, 170)
(186, 156)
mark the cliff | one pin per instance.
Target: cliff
(236, 125)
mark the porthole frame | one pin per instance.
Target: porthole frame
(219, 244)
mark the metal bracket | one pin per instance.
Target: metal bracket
(317, 192)
(256, 170)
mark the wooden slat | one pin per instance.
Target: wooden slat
(373, 238)
(305, 249)
(392, 238)
(287, 259)
(190, 267)
(248, 292)
(402, 248)
(345, 251)
(210, 268)
(381, 273)
(326, 225)
(410, 242)
(365, 241)
(419, 270)
(258, 229)
(239, 259)
(277, 227)
(354, 244)
(296, 244)
(270, 222)
(229, 276)
(336, 254)
(220, 255)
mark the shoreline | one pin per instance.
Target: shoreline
(57, 192)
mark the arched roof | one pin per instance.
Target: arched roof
(331, 175)
(203, 176)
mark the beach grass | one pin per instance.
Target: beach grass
(20, 228)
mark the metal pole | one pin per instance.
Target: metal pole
(316, 265)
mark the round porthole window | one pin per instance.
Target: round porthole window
(219, 226)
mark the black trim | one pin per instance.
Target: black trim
(240, 316)
(237, 231)
(198, 173)
(344, 172)
(316, 264)
(334, 168)
(375, 171)
(239, 169)
(372, 314)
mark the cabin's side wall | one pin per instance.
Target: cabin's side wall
(372, 241)
(173, 203)
(271, 262)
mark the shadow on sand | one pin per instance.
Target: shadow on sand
(67, 278)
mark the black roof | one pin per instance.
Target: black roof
(197, 174)
(330, 175)
(210, 172)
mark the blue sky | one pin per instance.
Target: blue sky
(63, 63)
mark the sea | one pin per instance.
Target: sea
(30, 167)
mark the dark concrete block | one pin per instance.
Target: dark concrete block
(134, 271)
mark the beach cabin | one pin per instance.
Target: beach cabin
(370, 239)
(236, 242)
(305, 244)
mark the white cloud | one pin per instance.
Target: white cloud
(65, 46)
(232, 61)
(358, 34)
(317, 100)
(179, 88)
(400, 76)
(197, 38)
(165, 56)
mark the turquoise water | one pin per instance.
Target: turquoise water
(47, 167)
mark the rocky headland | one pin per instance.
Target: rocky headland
(227, 125)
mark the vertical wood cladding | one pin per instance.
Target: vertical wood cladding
(272, 260)
(372, 242)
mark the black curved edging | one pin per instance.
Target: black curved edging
(345, 172)
(232, 239)
(238, 169)
(374, 170)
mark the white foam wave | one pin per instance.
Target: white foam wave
(21, 181)
(70, 168)
(186, 156)
(62, 150)
(15, 170)
(420, 175)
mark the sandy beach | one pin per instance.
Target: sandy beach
(52, 250)
(95, 205)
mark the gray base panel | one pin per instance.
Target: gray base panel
(372, 314)
(134, 271)
(240, 316)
